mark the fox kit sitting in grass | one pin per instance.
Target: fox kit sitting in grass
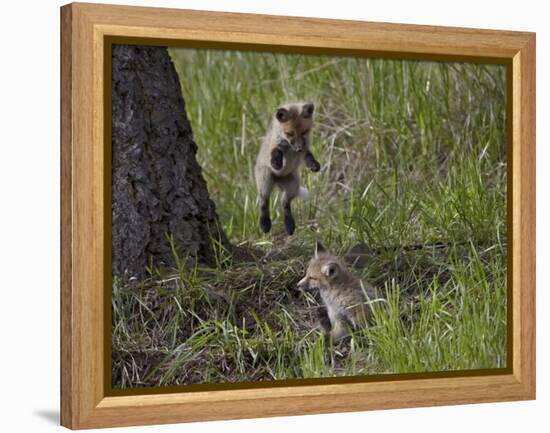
(284, 148)
(344, 294)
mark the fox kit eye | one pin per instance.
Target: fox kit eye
(304, 133)
(307, 110)
(329, 270)
(291, 133)
(282, 115)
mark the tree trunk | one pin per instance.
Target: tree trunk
(157, 185)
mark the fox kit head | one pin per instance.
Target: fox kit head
(325, 270)
(295, 122)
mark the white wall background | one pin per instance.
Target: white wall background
(29, 220)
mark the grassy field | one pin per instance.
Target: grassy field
(411, 153)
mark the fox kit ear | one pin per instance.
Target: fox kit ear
(282, 115)
(307, 110)
(329, 270)
(319, 248)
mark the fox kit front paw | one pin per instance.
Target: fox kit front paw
(277, 158)
(311, 162)
(324, 320)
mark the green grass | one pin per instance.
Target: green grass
(411, 153)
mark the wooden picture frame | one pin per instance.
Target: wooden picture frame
(87, 30)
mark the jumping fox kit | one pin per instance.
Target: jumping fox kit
(343, 294)
(283, 150)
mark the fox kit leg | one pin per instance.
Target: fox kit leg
(324, 320)
(277, 158)
(341, 325)
(339, 331)
(337, 324)
(277, 154)
(289, 219)
(264, 183)
(291, 187)
(311, 162)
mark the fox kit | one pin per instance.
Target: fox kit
(343, 294)
(283, 150)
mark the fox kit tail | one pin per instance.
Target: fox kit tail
(303, 193)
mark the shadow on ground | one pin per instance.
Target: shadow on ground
(50, 415)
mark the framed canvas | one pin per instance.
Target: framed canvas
(267, 216)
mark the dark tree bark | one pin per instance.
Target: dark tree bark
(157, 184)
